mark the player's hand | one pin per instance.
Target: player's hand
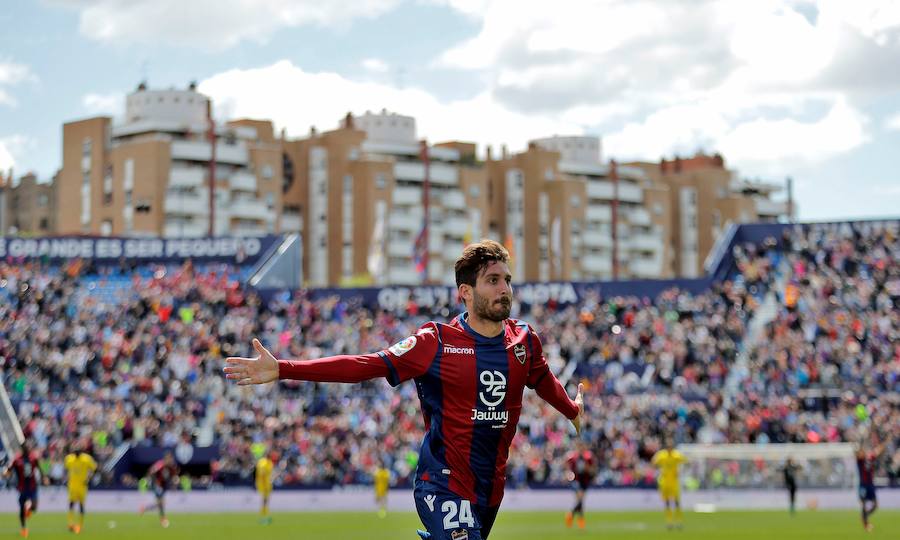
(579, 400)
(258, 370)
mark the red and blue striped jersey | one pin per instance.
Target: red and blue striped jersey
(865, 464)
(470, 387)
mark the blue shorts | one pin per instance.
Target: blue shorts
(159, 491)
(447, 516)
(867, 492)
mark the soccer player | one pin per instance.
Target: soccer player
(163, 474)
(470, 375)
(80, 466)
(264, 468)
(790, 481)
(382, 479)
(582, 469)
(868, 502)
(667, 461)
(28, 476)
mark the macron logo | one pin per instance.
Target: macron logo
(450, 349)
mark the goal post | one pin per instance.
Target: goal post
(760, 466)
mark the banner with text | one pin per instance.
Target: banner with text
(111, 250)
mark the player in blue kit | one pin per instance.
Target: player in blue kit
(470, 375)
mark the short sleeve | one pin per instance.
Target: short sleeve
(412, 356)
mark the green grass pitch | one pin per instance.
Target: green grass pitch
(511, 525)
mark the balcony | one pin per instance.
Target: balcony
(189, 204)
(603, 189)
(249, 209)
(456, 226)
(639, 216)
(596, 239)
(454, 199)
(200, 151)
(400, 249)
(645, 242)
(185, 229)
(187, 177)
(405, 222)
(242, 181)
(415, 171)
(407, 196)
(645, 268)
(596, 264)
(596, 212)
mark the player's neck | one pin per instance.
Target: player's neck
(485, 327)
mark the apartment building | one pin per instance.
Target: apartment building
(150, 174)
(555, 205)
(360, 193)
(27, 207)
(704, 197)
(357, 195)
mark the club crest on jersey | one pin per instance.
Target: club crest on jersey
(459, 534)
(402, 347)
(520, 353)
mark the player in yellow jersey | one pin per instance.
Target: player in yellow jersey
(667, 461)
(80, 466)
(264, 467)
(382, 479)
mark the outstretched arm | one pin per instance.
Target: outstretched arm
(266, 368)
(407, 359)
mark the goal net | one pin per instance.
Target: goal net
(761, 466)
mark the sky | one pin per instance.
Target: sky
(781, 88)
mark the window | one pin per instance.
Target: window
(42, 200)
(380, 181)
(106, 227)
(575, 201)
(474, 191)
(267, 172)
(348, 183)
(44, 225)
(270, 200)
(548, 174)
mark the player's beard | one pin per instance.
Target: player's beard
(498, 311)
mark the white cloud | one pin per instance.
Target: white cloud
(656, 78)
(210, 24)
(375, 65)
(11, 74)
(10, 147)
(271, 93)
(109, 104)
(755, 143)
(893, 123)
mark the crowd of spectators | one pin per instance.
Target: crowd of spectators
(142, 366)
